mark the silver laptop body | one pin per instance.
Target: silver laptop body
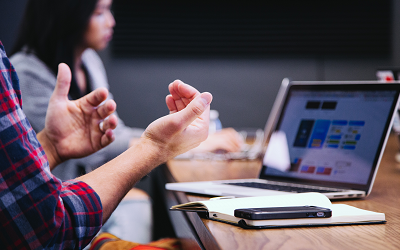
(325, 137)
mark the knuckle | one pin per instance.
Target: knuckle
(197, 109)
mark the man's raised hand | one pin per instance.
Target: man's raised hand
(77, 128)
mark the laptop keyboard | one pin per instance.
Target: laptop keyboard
(288, 188)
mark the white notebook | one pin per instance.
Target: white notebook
(223, 210)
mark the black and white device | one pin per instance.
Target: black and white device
(273, 213)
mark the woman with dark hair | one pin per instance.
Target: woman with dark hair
(71, 31)
(54, 29)
(66, 31)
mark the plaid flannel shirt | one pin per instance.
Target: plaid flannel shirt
(37, 210)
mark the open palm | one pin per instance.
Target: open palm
(73, 126)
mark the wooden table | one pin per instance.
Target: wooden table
(198, 233)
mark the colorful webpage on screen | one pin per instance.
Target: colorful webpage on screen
(330, 135)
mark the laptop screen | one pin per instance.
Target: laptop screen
(330, 135)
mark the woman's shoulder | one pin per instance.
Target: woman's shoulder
(23, 58)
(30, 69)
(90, 56)
(28, 62)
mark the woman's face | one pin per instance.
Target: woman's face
(100, 29)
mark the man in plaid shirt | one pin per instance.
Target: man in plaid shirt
(37, 210)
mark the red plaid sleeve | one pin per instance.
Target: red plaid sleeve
(37, 210)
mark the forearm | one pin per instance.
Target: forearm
(115, 178)
(185, 128)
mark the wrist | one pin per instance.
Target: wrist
(154, 152)
(49, 148)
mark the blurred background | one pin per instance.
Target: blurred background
(238, 50)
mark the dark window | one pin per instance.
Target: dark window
(252, 28)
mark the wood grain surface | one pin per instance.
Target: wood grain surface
(385, 198)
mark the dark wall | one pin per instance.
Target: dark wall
(10, 16)
(243, 89)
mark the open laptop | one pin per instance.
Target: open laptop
(325, 137)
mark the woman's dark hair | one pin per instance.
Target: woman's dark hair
(52, 29)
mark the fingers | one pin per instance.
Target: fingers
(195, 109)
(107, 138)
(235, 141)
(94, 98)
(182, 94)
(106, 109)
(169, 100)
(108, 126)
(63, 81)
(110, 123)
(226, 140)
(179, 89)
(230, 145)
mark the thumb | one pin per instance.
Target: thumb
(195, 109)
(63, 81)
